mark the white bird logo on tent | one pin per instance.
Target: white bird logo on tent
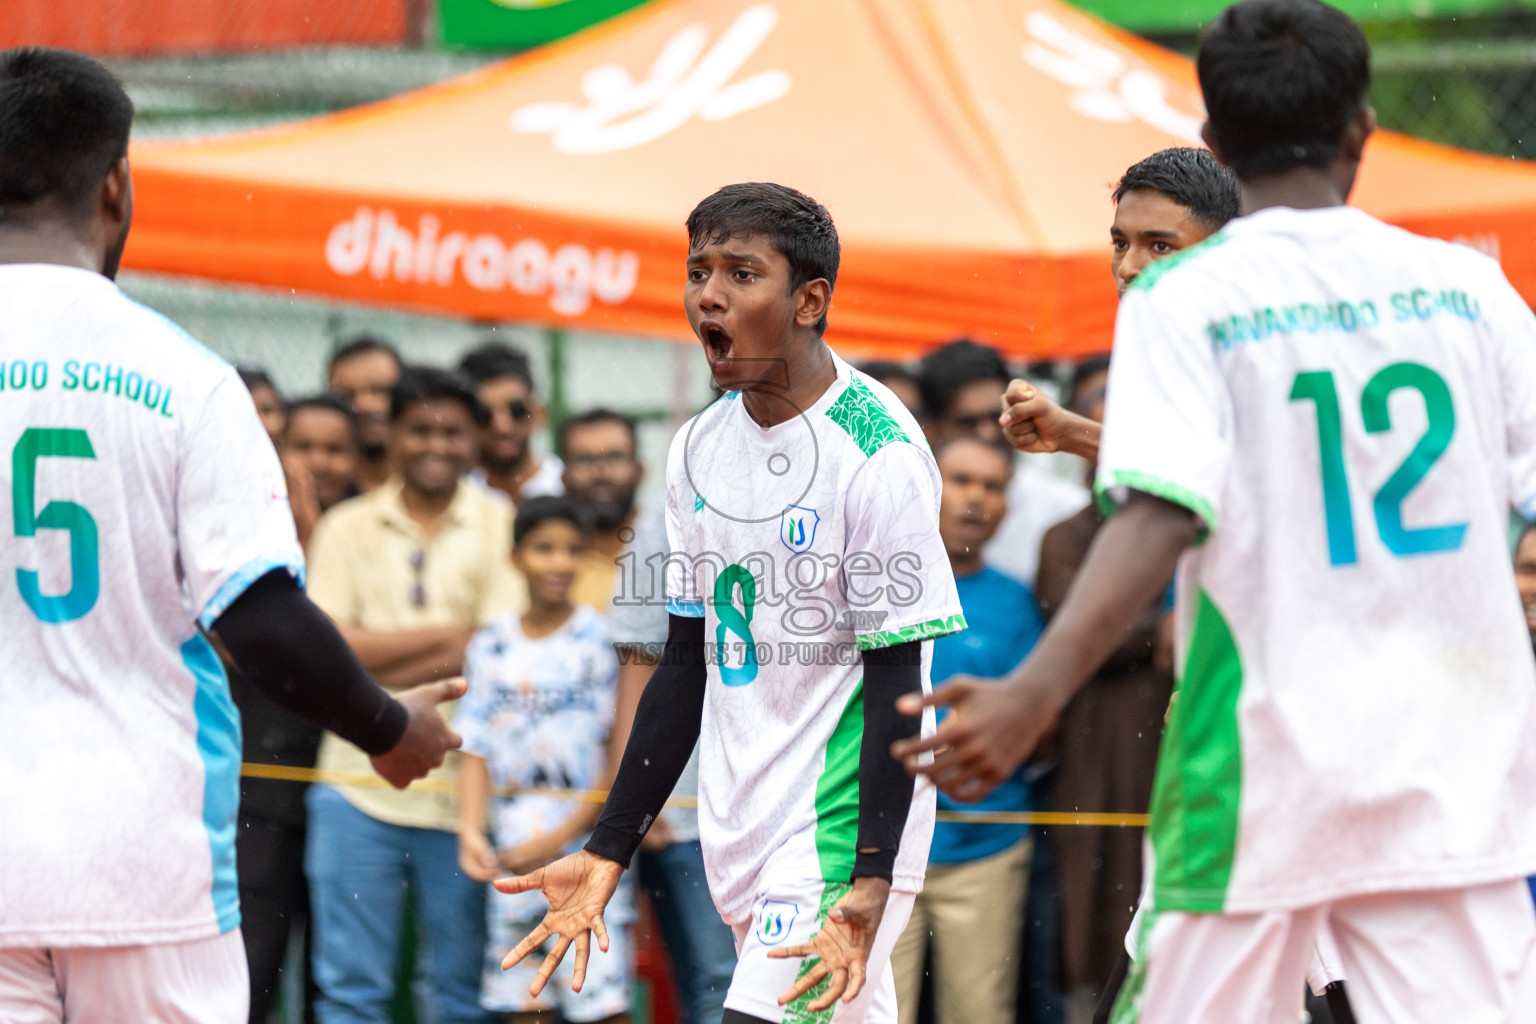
(1105, 89)
(685, 80)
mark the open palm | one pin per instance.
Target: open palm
(578, 888)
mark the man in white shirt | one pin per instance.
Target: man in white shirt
(1338, 415)
(146, 506)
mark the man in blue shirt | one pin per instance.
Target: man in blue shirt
(972, 904)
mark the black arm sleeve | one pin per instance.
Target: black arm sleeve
(666, 729)
(885, 788)
(288, 649)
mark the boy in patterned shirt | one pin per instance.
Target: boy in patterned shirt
(806, 583)
(537, 714)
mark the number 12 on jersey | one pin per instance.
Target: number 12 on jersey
(1318, 387)
(85, 572)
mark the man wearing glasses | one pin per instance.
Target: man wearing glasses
(504, 385)
(602, 473)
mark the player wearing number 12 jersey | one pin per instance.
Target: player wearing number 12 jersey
(806, 581)
(1338, 416)
(142, 501)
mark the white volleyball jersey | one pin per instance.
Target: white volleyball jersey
(1350, 410)
(801, 546)
(141, 497)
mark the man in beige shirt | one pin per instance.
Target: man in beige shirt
(408, 572)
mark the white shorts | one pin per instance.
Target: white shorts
(1323, 969)
(610, 976)
(789, 916)
(1464, 955)
(201, 982)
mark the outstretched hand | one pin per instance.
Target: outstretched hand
(842, 946)
(578, 888)
(427, 738)
(991, 729)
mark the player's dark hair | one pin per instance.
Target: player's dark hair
(535, 512)
(358, 345)
(884, 370)
(792, 222)
(496, 359)
(1193, 178)
(1000, 447)
(1282, 80)
(1081, 374)
(64, 122)
(254, 377)
(591, 416)
(423, 383)
(326, 401)
(947, 369)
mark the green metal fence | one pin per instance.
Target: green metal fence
(1467, 81)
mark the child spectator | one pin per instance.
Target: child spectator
(538, 711)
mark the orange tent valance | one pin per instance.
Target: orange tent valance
(966, 151)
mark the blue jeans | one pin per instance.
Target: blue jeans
(360, 870)
(700, 945)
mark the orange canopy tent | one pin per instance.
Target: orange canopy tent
(965, 149)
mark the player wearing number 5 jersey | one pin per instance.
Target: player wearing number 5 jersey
(1338, 416)
(140, 504)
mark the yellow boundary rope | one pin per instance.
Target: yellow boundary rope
(597, 796)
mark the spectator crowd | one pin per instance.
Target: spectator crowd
(443, 541)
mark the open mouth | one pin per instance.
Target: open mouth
(716, 342)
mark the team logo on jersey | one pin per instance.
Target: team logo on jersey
(797, 528)
(775, 920)
(279, 491)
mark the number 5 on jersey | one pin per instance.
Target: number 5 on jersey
(1318, 387)
(84, 567)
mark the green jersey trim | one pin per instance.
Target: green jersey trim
(1127, 1008)
(798, 1012)
(1157, 487)
(922, 631)
(865, 418)
(1155, 271)
(837, 792)
(1197, 791)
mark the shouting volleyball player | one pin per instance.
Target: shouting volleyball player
(1337, 416)
(145, 505)
(1164, 204)
(806, 581)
